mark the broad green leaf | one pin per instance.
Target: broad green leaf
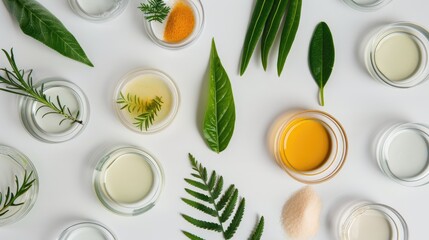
(235, 223)
(293, 15)
(200, 206)
(218, 189)
(37, 22)
(229, 207)
(259, 229)
(192, 236)
(202, 224)
(219, 119)
(225, 197)
(197, 184)
(271, 28)
(322, 57)
(259, 17)
(198, 195)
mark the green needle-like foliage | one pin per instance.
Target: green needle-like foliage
(9, 199)
(220, 206)
(155, 10)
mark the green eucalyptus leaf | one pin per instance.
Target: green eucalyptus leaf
(37, 22)
(259, 17)
(219, 119)
(322, 57)
(290, 28)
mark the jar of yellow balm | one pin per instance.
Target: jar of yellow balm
(311, 146)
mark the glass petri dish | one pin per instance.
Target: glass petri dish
(311, 146)
(128, 180)
(87, 230)
(98, 10)
(51, 128)
(142, 86)
(14, 164)
(364, 220)
(367, 5)
(397, 55)
(402, 153)
(155, 30)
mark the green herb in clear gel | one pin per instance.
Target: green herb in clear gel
(215, 202)
(9, 199)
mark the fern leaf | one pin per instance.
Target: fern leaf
(203, 224)
(224, 199)
(218, 189)
(212, 180)
(196, 195)
(235, 223)
(259, 229)
(201, 207)
(229, 209)
(192, 236)
(197, 184)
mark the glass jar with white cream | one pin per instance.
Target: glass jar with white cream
(98, 10)
(367, 5)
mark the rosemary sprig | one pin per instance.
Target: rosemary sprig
(147, 110)
(11, 198)
(17, 83)
(155, 10)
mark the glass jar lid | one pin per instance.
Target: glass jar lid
(87, 230)
(98, 10)
(367, 5)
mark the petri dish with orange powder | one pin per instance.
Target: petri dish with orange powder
(311, 146)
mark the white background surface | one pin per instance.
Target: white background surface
(361, 104)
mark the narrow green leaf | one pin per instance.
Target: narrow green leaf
(259, 229)
(37, 22)
(322, 57)
(224, 199)
(212, 180)
(271, 28)
(229, 209)
(218, 189)
(219, 119)
(259, 17)
(202, 224)
(200, 206)
(197, 184)
(235, 223)
(197, 195)
(192, 236)
(293, 15)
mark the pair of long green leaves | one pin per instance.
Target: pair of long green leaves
(210, 200)
(219, 119)
(37, 22)
(266, 20)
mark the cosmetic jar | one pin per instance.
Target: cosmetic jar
(365, 220)
(397, 55)
(367, 5)
(311, 146)
(155, 29)
(16, 166)
(98, 10)
(45, 125)
(140, 88)
(128, 180)
(402, 153)
(87, 231)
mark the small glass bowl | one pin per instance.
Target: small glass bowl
(96, 14)
(155, 30)
(398, 226)
(86, 230)
(395, 170)
(338, 151)
(131, 209)
(48, 128)
(14, 163)
(141, 73)
(418, 34)
(367, 6)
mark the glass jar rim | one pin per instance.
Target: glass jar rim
(106, 16)
(367, 7)
(94, 225)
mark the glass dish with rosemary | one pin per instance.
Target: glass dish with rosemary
(52, 110)
(146, 101)
(19, 185)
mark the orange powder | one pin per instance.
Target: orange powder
(306, 145)
(180, 23)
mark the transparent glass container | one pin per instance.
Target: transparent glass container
(367, 5)
(155, 30)
(86, 230)
(101, 10)
(338, 145)
(106, 195)
(48, 127)
(15, 164)
(165, 81)
(402, 153)
(416, 33)
(359, 216)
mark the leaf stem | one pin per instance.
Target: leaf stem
(322, 96)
